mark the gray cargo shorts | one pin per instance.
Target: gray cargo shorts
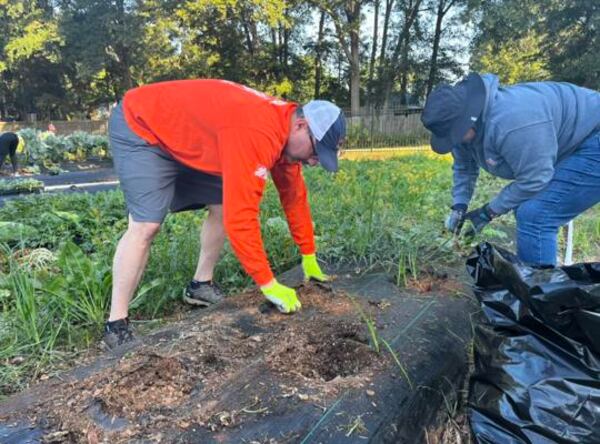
(153, 183)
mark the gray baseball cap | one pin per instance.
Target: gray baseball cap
(328, 125)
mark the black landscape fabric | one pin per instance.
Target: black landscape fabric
(232, 374)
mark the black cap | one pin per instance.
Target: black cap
(450, 111)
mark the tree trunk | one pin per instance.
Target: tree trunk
(436, 46)
(381, 69)
(354, 73)
(280, 44)
(384, 36)
(402, 46)
(122, 51)
(353, 15)
(286, 50)
(249, 45)
(404, 69)
(373, 52)
(318, 56)
(247, 25)
(351, 50)
(275, 51)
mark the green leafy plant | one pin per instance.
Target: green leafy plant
(15, 232)
(82, 290)
(47, 150)
(16, 186)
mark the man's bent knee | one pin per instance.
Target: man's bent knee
(144, 231)
(215, 210)
(532, 214)
(528, 213)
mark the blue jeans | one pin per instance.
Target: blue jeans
(574, 188)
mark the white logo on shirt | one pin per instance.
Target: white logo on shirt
(262, 172)
(491, 162)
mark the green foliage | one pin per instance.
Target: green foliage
(20, 186)
(15, 232)
(44, 148)
(36, 38)
(515, 61)
(75, 57)
(30, 46)
(90, 220)
(56, 276)
(532, 40)
(574, 50)
(82, 289)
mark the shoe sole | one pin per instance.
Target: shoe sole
(198, 302)
(121, 349)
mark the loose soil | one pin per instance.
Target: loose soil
(426, 283)
(182, 379)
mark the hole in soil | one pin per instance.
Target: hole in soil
(213, 361)
(324, 350)
(427, 282)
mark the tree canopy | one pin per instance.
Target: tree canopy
(63, 59)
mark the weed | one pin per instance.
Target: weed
(398, 363)
(356, 425)
(370, 323)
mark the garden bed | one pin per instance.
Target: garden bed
(92, 180)
(234, 373)
(20, 186)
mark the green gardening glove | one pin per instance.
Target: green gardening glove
(311, 268)
(283, 297)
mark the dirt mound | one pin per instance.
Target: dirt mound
(183, 377)
(314, 296)
(144, 383)
(234, 373)
(324, 351)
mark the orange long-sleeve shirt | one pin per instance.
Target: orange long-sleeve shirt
(227, 129)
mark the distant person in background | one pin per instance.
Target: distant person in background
(51, 128)
(8, 147)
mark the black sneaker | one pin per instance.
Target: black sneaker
(118, 333)
(202, 293)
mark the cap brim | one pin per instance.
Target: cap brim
(441, 145)
(328, 158)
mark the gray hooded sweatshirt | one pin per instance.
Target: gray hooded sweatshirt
(525, 130)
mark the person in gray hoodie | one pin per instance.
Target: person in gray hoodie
(543, 136)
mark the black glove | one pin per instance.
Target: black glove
(479, 218)
(455, 220)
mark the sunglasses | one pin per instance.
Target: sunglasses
(312, 144)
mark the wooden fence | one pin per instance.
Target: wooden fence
(367, 130)
(63, 128)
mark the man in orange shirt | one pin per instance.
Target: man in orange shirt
(191, 144)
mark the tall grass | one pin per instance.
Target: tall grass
(372, 213)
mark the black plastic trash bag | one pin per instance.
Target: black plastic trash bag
(537, 351)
